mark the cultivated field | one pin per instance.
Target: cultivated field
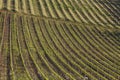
(59, 40)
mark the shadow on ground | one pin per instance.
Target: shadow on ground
(113, 6)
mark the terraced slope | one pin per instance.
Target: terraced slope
(59, 40)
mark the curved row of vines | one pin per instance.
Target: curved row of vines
(59, 40)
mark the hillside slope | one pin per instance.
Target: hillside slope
(59, 40)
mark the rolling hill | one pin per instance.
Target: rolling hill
(59, 40)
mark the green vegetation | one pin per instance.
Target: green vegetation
(59, 40)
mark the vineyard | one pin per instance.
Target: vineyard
(59, 40)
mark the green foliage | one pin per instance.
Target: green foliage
(59, 40)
